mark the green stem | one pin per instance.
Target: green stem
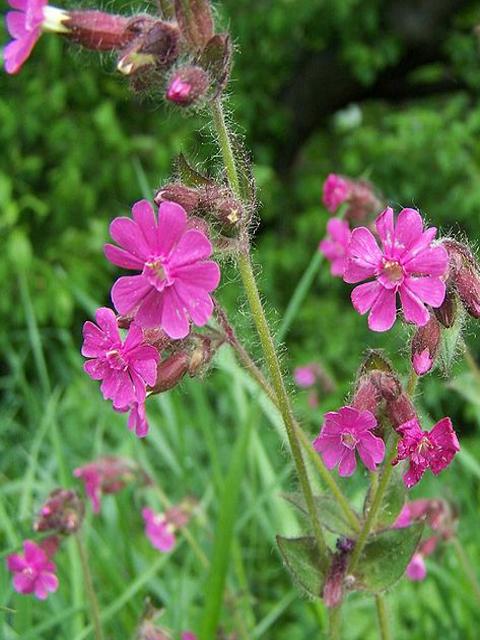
(266, 340)
(372, 513)
(92, 598)
(382, 615)
(412, 383)
(334, 621)
(466, 566)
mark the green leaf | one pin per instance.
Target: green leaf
(329, 513)
(301, 557)
(385, 558)
(188, 175)
(216, 58)
(451, 341)
(393, 500)
(375, 361)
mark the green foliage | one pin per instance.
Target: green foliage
(329, 512)
(300, 556)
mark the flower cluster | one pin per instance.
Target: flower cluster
(33, 571)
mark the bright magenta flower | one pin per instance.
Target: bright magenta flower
(25, 27)
(159, 531)
(137, 420)
(335, 192)
(408, 264)
(334, 246)
(125, 367)
(344, 432)
(176, 277)
(433, 449)
(33, 572)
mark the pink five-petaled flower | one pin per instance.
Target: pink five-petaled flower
(125, 367)
(345, 431)
(33, 572)
(159, 531)
(336, 191)
(408, 264)
(433, 449)
(25, 27)
(334, 247)
(176, 278)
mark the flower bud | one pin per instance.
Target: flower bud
(335, 581)
(62, 512)
(465, 274)
(425, 346)
(387, 384)
(446, 314)
(187, 85)
(171, 371)
(156, 46)
(400, 410)
(98, 31)
(187, 197)
(367, 395)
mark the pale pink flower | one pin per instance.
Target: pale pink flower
(344, 432)
(159, 531)
(408, 264)
(105, 475)
(334, 247)
(176, 278)
(412, 511)
(125, 367)
(25, 26)
(416, 569)
(305, 376)
(433, 449)
(336, 191)
(33, 572)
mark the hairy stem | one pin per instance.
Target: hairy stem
(382, 615)
(266, 340)
(90, 591)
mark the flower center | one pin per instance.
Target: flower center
(393, 271)
(116, 360)
(156, 273)
(349, 440)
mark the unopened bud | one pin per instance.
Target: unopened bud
(187, 197)
(447, 313)
(335, 581)
(171, 371)
(465, 275)
(387, 384)
(98, 31)
(155, 46)
(400, 410)
(187, 85)
(62, 512)
(201, 355)
(425, 346)
(367, 396)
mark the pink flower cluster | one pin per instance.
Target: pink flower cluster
(33, 571)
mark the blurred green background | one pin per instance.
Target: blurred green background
(383, 88)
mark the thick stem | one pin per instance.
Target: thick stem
(90, 591)
(334, 622)
(382, 615)
(266, 340)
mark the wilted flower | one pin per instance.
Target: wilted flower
(125, 367)
(176, 278)
(433, 449)
(62, 512)
(105, 475)
(33, 572)
(334, 246)
(344, 432)
(408, 264)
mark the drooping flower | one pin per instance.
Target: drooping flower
(334, 246)
(25, 25)
(105, 475)
(433, 449)
(176, 278)
(33, 572)
(137, 420)
(159, 531)
(63, 512)
(344, 432)
(409, 263)
(125, 367)
(335, 192)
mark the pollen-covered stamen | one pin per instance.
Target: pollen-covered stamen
(116, 360)
(393, 271)
(156, 273)
(349, 440)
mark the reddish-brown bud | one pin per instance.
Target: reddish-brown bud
(387, 384)
(187, 85)
(465, 275)
(400, 410)
(98, 30)
(335, 581)
(447, 313)
(367, 395)
(425, 346)
(363, 201)
(156, 45)
(62, 512)
(171, 371)
(187, 197)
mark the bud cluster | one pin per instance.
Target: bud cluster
(359, 197)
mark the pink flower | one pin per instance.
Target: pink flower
(188, 635)
(175, 280)
(433, 449)
(105, 475)
(25, 27)
(33, 572)
(335, 192)
(305, 376)
(179, 90)
(334, 246)
(125, 367)
(345, 431)
(159, 531)
(408, 264)
(137, 420)
(416, 569)
(411, 512)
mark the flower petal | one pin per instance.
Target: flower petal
(409, 228)
(174, 319)
(193, 246)
(413, 308)
(348, 463)
(429, 290)
(383, 312)
(364, 296)
(143, 215)
(128, 292)
(432, 261)
(172, 222)
(386, 229)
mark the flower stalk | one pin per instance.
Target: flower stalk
(89, 589)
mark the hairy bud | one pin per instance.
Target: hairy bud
(187, 85)
(400, 410)
(367, 395)
(171, 371)
(187, 197)
(156, 45)
(62, 512)
(465, 274)
(425, 346)
(446, 314)
(98, 31)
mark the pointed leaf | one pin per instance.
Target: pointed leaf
(216, 58)
(301, 557)
(329, 513)
(375, 361)
(385, 558)
(451, 341)
(394, 498)
(189, 176)
(195, 20)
